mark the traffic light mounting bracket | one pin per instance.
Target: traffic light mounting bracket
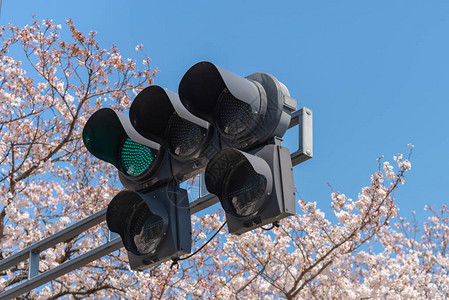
(304, 118)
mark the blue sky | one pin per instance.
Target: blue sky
(375, 73)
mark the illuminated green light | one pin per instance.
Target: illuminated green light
(135, 158)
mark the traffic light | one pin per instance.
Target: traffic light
(252, 173)
(254, 188)
(154, 226)
(141, 163)
(224, 125)
(158, 114)
(246, 112)
(152, 217)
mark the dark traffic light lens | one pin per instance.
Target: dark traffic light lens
(135, 158)
(145, 229)
(233, 116)
(245, 190)
(184, 138)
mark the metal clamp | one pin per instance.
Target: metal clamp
(304, 118)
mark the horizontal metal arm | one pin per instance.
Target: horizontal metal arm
(59, 237)
(72, 231)
(62, 269)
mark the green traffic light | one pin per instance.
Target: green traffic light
(105, 137)
(135, 158)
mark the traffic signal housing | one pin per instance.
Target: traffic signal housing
(246, 112)
(254, 188)
(228, 126)
(252, 173)
(152, 217)
(154, 226)
(158, 114)
(141, 163)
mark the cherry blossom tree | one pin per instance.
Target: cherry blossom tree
(49, 180)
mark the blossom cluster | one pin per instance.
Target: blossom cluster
(47, 178)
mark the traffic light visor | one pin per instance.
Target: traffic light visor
(233, 104)
(105, 137)
(158, 114)
(141, 228)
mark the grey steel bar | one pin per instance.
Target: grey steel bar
(202, 203)
(61, 236)
(82, 226)
(62, 269)
(36, 280)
